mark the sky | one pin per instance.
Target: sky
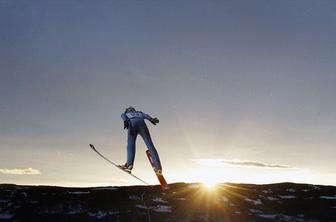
(244, 90)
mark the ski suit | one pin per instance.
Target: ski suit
(137, 126)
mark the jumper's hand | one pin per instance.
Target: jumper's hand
(126, 124)
(155, 121)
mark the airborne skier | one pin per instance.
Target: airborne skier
(134, 122)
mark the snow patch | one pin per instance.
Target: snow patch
(328, 197)
(99, 214)
(6, 216)
(75, 211)
(315, 187)
(255, 211)
(291, 190)
(142, 207)
(78, 192)
(280, 217)
(158, 208)
(255, 202)
(134, 197)
(272, 198)
(287, 196)
(159, 200)
(267, 191)
(268, 216)
(162, 209)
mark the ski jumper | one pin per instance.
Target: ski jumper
(137, 126)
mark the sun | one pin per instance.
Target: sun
(210, 184)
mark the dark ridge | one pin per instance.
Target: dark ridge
(182, 202)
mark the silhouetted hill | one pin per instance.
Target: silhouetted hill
(182, 202)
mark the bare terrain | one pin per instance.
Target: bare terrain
(182, 202)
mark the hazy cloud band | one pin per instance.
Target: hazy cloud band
(20, 171)
(246, 163)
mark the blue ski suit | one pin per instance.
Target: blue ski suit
(137, 126)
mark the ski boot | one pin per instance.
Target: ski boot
(126, 167)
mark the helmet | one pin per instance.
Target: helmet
(130, 109)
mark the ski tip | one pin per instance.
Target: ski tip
(91, 145)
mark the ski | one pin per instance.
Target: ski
(160, 177)
(102, 156)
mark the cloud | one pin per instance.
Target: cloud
(237, 162)
(20, 171)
